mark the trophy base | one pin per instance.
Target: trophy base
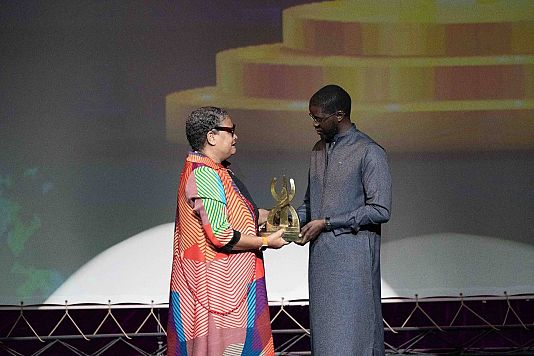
(292, 237)
(289, 236)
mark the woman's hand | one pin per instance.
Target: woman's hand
(275, 239)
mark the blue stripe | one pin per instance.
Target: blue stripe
(178, 325)
(248, 348)
(251, 301)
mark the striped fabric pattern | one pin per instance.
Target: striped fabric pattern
(218, 301)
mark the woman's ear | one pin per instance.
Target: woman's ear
(210, 138)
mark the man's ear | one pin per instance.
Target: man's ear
(340, 115)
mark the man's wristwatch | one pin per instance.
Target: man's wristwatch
(327, 224)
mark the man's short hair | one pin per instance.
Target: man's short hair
(332, 98)
(200, 122)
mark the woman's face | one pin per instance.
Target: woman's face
(225, 141)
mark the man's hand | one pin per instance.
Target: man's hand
(310, 231)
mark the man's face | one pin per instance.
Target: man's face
(325, 123)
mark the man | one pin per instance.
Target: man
(348, 197)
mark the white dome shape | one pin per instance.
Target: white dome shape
(137, 270)
(449, 264)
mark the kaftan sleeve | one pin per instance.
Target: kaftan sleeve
(303, 211)
(205, 194)
(376, 180)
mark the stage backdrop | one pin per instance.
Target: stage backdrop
(94, 96)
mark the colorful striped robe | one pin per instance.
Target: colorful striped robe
(218, 301)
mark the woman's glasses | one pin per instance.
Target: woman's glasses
(231, 130)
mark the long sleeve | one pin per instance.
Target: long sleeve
(304, 211)
(376, 180)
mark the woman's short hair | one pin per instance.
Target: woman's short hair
(200, 122)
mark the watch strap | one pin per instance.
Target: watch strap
(327, 224)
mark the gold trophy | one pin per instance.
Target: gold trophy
(283, 215)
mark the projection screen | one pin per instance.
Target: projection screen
(95, 95)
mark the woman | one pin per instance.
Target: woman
(218, 302)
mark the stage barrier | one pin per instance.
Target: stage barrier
(461, 324)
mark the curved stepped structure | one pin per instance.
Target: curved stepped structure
(411, 28)
(424, 75)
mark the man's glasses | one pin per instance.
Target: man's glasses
(231, 130)
(319, 120)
